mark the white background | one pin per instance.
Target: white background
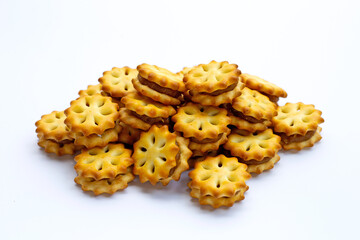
(49, 50)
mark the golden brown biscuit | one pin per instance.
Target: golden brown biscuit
(92, 90)
(201, 122)
(155, 95)
(253, 104)
(181, 161)
(155, 154)
(91, 114)
(161, 76)
(103, 162)
(117, 82)
(146, 106)
(218, 178)
(259, 168)
(209, 146)
(304, 143)
(128, 134)
(66, 147)
(212, 76)
(106, 185)
(52, 127)
(297, 118)
(250, 127)
(140, 121)
(263, 86)
(215, 100)
(255, 146)
(95, 140)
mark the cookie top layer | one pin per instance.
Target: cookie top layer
(92, 90)
(297, 118)
(52, 126)
(261, 85)
(117, 82)
(195, 120)
(212, 76)
(91, 114)
(219, 176)
(145, 106)
(106, 162)
(254, 104)
(155, 154)
(253, 146)
(161, 77)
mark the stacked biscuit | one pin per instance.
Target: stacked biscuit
(156, 124)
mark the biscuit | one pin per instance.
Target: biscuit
(305, 143)
(106, 185)
(92, 90)
(155, 154)
(215, 100)
(181, 161)
(250, 127)
(128, 134)
(91, 114)
(95, 140)
(255, 146)
(103, 162)
(146, 106)
(212, 76)
(263, 86)
(139, 122)
(254, 105)
(201, 122)
(210, 146)
(66, 147)
(117, 82)
(218, 178)
(154, 95)
(297, 118)
(161, 77)
(52, 127)
(199, 156)
(259, 168)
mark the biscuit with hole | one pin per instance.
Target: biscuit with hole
(222, 97)
(91, 114)
(103, 162)
(52, 127)
(146, 106)
(220, 178)
(155, 154)
(181, 161)
(92, 90)
(267, 88)
(297, 119)
(128, 134)
(212, 77)
(95, 140)
(259, 168)
(201, 122)
(106, 185)
(254, 105)
(117, 82)
(254, 146)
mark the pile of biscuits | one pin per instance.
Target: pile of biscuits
(155, 124)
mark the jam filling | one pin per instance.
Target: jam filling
(150, 120)
(254, 162)
(247, 118)
(296, 137)
(217, 92)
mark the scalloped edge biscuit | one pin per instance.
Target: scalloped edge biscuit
(206, 147)
(242, 124)
(117, 81)
(211, 72)
(146, 106)
(209, 100)
(261, 85)
(304, 144)
(259, 168)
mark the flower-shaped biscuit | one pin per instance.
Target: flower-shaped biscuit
(52, 127)
(117, 82)
(91, 114)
